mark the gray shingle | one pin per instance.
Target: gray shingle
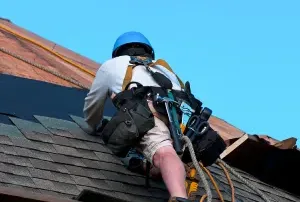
(70, 151)
(33, 154)
(78, 144)
(74, 170)
(108, 158)
(44, 184)
(61, 133)
(80, 134)
(120, 187)
(87, 154)
(45, 147)
(29, 126)
(7, 149)
(4, 177)
(46, 165)
(93, 173)
(13, 169)
(98, 147)
(248, 195)
(42, 174)
(57, 194)
(16, 160)
(61, 124)
(118, 177)
(102, 184)
(25, 143)
(9, 130)
(59, 158)
(106, 166)
(69, 142)
(5, 140)
(70, 129)
(60, 140)
(84, 181)
(27, 189)
(21, 180)
(22, 142)
(50, 175)
(32, 130)
(38, 137)
(85, 172)
(62, 177)
(66, 188)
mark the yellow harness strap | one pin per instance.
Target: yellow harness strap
(128, 75)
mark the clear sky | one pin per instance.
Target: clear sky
(241, 57)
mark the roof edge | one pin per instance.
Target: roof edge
(18, 195)
(5, 19)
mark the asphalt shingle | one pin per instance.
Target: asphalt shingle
(15, 160)
(47, 165)
(9, 130)
(32, 130)
(16, 170)
(70, 160)
(7, 149)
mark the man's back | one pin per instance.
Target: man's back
(109, 81)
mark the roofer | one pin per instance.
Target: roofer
(139, 122)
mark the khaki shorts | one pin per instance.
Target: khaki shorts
(159, 136)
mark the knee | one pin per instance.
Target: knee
(164, 153)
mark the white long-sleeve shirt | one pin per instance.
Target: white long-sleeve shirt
(109, 81)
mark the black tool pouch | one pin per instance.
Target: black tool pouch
(127, 127)
(207, 147)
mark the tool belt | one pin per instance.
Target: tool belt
(132, 120)
(147, 92)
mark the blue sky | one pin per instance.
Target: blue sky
(241, 57)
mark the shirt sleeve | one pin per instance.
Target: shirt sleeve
(95, 99)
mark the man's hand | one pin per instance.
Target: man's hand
(103, 124)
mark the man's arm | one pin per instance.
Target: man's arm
(95, 99)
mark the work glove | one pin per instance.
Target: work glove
(207, 147)
(99, 129)
(103, 124)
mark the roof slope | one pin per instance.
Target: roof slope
(43, 144)
(55, 156)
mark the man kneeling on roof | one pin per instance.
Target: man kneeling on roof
(138, 123)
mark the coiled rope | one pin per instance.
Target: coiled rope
(223, 165)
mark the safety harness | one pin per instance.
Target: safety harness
(134, 118)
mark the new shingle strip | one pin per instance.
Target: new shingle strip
(9, 130)
(71, 127)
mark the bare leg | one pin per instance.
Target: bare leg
(172, 171)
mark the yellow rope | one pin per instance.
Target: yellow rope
(213, 181)
(229, 181)
(7, 29)
(203, 198)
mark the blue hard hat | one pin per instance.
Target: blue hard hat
(131, 37)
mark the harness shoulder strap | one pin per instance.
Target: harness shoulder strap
(137, 60)
(128, 76)
(168, 67)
